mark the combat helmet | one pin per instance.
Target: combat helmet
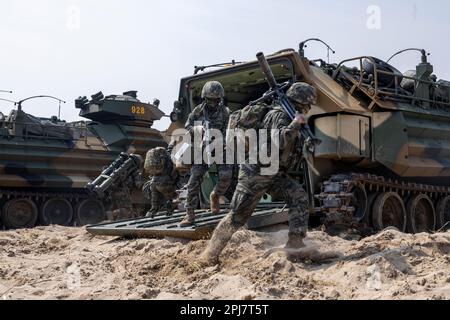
(213, 90)
(155, 161)
(303, 94)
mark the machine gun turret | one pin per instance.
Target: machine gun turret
(124, 171)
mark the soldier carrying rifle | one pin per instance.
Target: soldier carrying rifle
(287, 114)
(212, 114)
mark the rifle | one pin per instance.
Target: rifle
(276, 93)
(116, 175)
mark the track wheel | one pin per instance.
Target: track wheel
(90, 211)
(57, 211)
(443, 212)
(360, 202)
(421, 214)
(19, 214)
(389, 211)
(368, 218)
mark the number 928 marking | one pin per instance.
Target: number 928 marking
(138, 110)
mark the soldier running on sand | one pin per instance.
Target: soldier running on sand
(253, 185)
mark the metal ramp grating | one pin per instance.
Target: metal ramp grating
(161, 226)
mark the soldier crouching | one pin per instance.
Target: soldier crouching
(162, 185)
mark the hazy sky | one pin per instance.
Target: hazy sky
(69, 48)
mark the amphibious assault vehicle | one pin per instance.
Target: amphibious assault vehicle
(384, 160)
(45, 164)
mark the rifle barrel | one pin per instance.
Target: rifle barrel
(267, 70)
(287, 107)
(276, 91)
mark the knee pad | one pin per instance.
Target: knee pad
(242, 207)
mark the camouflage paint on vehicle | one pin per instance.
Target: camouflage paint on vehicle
(380, 143)
(45, 159)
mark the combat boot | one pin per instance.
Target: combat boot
(189, 220)
(218, 242)
(169, 213)
(295, 241)
(215, 203)
(297, 251)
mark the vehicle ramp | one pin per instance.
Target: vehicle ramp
(265, 215)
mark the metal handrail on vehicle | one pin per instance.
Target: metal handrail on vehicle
(6, 125)
(373, 91)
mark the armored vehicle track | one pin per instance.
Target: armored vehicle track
(45, 164)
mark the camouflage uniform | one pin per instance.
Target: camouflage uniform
(162, 187)
(218, 118)
(253, 185)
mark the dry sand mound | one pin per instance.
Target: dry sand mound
(64, 263)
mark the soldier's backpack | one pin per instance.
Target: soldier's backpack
(251, 117)
(155, 161)
(442, 92)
